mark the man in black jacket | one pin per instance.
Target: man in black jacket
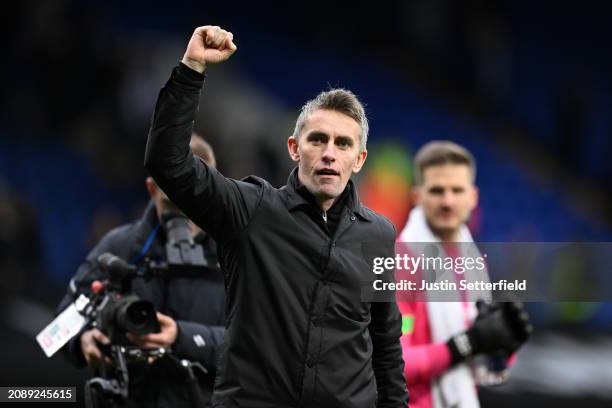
(190, 309)
(295, 259)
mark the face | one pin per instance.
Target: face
(447, 197)
(163, 203)
(328, 153)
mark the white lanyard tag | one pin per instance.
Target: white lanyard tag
(64, 327)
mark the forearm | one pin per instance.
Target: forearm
(167, 154)
(422, 363)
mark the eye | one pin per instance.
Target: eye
(343, 143)
(316, 138)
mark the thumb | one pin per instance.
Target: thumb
(164, 320)
(229, 42)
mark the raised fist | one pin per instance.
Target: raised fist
(208, 45)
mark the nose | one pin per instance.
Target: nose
(329, 152)
(447, 198)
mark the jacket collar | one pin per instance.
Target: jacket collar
(296, 192)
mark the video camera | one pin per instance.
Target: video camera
(115, 310)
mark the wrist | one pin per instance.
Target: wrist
(174, 333)
(460, 347)
(178, 347)
(194, 65)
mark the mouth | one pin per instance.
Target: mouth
(446, 214)
(327, 172)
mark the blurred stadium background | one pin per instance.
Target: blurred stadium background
(524, 85)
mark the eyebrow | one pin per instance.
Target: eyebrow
(346, 139)
(436, 188)
(317, 134)
(320, 134)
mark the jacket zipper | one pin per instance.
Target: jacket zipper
(325, 216)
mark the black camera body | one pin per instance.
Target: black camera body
(122, 314)
(116, 309)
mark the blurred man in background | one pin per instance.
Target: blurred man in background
(298, 331)
(441, 338)
(190, 309)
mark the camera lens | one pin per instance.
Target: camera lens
(137, 316)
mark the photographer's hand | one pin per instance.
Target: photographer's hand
(89, 346)
(165, 338)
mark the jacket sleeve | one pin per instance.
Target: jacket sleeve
(387, 362)
(219, 205)
(385, 331)
(88, 272)
(199, 342)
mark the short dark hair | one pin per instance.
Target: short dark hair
(440, 152)
(339, 100)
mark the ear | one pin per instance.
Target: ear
(152, 188)
(361, 158)
(293, 148)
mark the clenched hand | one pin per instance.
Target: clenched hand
(208, 45)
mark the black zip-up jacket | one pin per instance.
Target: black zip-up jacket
(298, 333)
(196, 303)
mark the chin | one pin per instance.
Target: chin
(328, 191)
(444, 229)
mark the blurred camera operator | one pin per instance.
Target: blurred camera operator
(441, 338)
(190, 310)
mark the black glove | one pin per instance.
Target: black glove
(517, 317)
(498, 328)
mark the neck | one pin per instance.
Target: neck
(446, 236)
(451, 237)
(325, 203)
